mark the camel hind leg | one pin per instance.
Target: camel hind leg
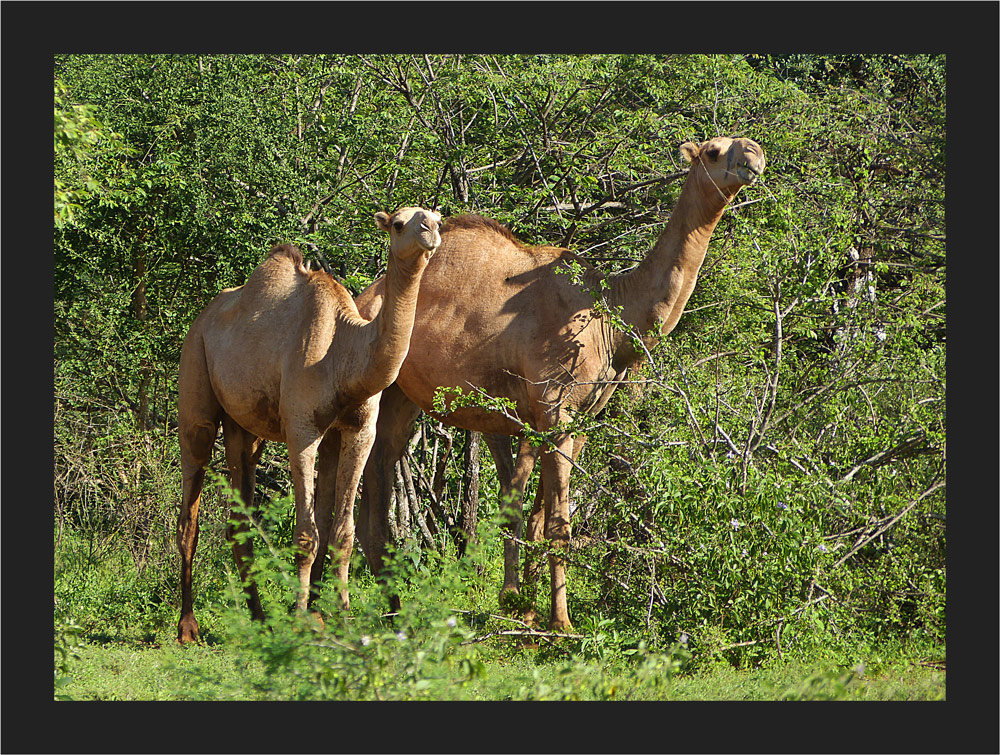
(556, 468)
(243, 451)
(193, 461)
(199, 415)
(513, 477)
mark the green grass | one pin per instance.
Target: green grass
(115, 640)
(163, 670)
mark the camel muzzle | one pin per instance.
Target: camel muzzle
(750, 172)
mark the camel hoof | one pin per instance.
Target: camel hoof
(187, 629)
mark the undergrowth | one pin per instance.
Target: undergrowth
(448, 642)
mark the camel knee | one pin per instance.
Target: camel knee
(187, 532)
(236, 527)
(342, 535)
(186, 538)
(198, 441)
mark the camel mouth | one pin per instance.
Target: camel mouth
(429, 237)
(430, 245)
(749, 173)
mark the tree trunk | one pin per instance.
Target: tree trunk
(468, 517)
(858, 285)
(441, 463)
(402, 504)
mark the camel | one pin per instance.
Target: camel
(287, 357)
(495, 315)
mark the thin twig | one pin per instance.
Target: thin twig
(864, 541)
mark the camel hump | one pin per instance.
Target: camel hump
(322, 283)
(479, 223)
(292, 253)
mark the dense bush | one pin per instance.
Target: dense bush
(772, 482)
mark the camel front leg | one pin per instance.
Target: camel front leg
(327, 459)
(555, 471)
(535, 530)
(534, 533)
(355, 447)
(302, 458)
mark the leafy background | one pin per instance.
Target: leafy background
(770, 486)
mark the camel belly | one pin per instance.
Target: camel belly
(257, 414)
(458, 359)
(249, 398)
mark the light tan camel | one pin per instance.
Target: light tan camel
(286, 357)
(494, 314)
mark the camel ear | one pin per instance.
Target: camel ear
(383, 221)
(689, 151)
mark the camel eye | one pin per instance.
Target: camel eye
(398, 225)
(712, 153)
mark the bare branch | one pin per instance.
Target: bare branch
(862, 542)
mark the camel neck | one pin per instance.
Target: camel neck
(390, 329)
(652, 295)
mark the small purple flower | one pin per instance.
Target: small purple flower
(744, 551)
(684, 638)
(782, 505)
(451, 622)
(734, 523)
(822, 548)
(401, 636)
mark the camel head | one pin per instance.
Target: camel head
(728, 163)
(412, 231)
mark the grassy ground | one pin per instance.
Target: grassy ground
(115, 641)
(163, 670)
